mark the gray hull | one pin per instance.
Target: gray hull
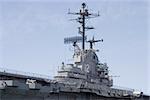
(12, 94)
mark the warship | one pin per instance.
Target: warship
(85, 79)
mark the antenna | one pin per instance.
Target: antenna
(74, 39)
(83, 15)
(93, 41)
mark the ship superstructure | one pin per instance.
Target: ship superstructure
(86, 66)
(87, 72)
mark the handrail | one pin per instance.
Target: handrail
(122, 88)
(5, 70)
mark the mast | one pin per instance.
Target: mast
(83, 24)
(83, 15)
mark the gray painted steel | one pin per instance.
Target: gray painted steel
(24, 89)
(85, 79)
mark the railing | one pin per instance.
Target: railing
(5, 70)
(122, 88)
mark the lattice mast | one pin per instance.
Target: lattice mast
(83, 15)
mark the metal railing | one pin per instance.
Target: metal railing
(5, 70)
(123, 88)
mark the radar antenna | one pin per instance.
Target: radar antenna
(74, 40)
(83, 15)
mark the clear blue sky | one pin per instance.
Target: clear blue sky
(32, 32)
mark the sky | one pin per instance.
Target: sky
(32, 33)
